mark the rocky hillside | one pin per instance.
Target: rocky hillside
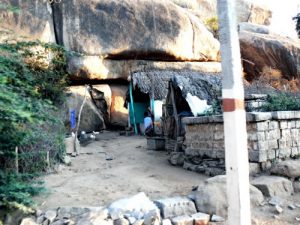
(115, 38)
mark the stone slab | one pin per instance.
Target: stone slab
(274, 186)
(176, 206)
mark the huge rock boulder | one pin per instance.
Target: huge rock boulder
(96, 68)
(276, 52)
(211, 196)
(92, 118)
(246, 11)
(288, 168)
(133, 29)
(32, 20)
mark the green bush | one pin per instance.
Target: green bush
(281, 102)
(33, 78)
(216, 109)
(17, 190)
(213, 25)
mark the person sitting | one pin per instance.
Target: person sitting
(148, 124)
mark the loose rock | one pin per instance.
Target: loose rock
(275, 201)
(177, 206)
(211, 197)
(136, 206)
(28, 221)
(288, 168)
(274, 186)
(216, 218)
(50, 215)
(291, 206)
(152, 218)
(121, 221)
(201, 218)
(166, 222)
(278, 209)
(182, 220)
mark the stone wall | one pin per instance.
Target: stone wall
(271, 135)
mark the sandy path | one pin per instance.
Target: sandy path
(91, 180)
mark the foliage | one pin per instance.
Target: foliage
(10, 8)
(215, 108)
(16, 191)
(297, 19)
(213, 25)
(32, 80)
(281, 102)
(29, 84)
(274, 78)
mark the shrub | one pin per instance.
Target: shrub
(16, 191)
(281, 102)
(297, 19)
(31, 86)
(275, 79)
(213, 25)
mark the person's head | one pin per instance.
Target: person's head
(145, 114)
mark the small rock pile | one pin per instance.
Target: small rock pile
(136, 210)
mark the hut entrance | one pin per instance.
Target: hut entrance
(138, 104)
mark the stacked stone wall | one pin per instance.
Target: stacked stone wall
(272, 135)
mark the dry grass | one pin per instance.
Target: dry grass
(275, 79)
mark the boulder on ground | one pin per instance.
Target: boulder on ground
(211, 197)
(274, 186)
(31, 21)
(288, 168)
(137, 206)
(130, 29)
(271, 51)
(92, 118)
(118, 113)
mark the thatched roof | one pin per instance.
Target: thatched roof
(203, 85)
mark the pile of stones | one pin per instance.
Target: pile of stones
(206, 205)
(136, 210)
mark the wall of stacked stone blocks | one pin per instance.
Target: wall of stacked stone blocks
(271, 135)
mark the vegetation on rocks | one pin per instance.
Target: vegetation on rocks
(297, 19)
(213, 25)
(32, 82)
(282, 102)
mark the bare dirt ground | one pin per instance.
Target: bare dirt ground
(91, 180)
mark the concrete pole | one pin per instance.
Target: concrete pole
(237, 164)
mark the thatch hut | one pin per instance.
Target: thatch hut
(151, 86)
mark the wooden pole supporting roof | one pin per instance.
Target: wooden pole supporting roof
(236, 153)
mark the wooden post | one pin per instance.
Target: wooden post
(17, 159)
(48, 160)
(176, 116)
(237, 164)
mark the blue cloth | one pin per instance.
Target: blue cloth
(73, 118)
(147, 122)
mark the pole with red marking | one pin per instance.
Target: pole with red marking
(237, 165)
